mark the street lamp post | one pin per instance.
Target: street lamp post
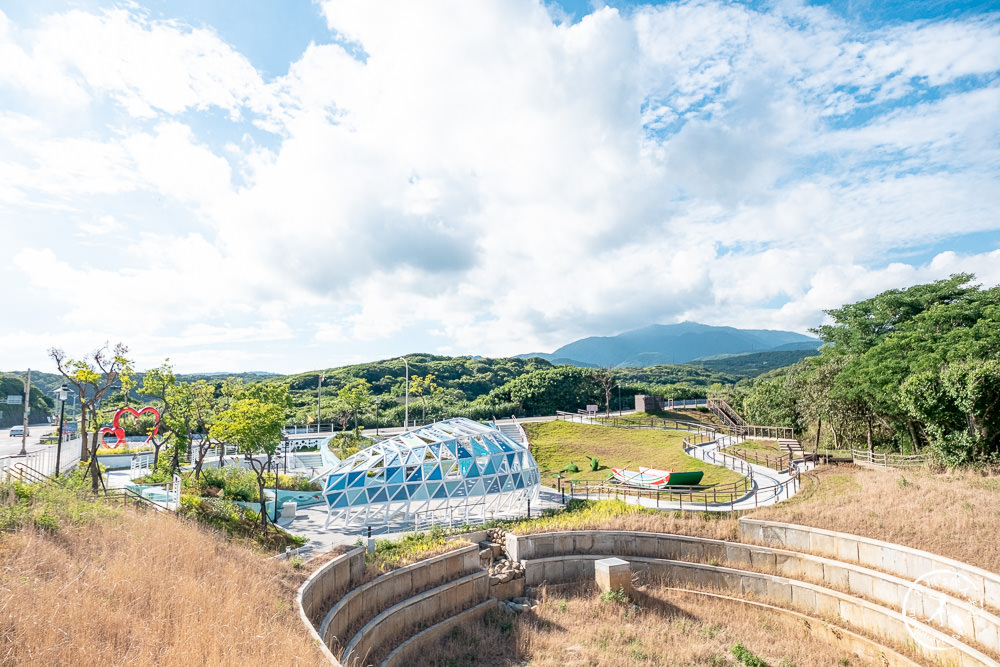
(284, 441)
(619, 400)
(319, 400)
(62, 393)
(27, 412)
(406, 410)
(378, 399)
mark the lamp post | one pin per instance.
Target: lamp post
(62, 393)
(284, 441)
(319, 399)
(27, 412)
(619, 399)
(378, 399)
(406, 410)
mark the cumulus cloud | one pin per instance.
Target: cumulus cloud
(495, 178)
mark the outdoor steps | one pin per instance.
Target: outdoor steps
(514, 432)
(793, 448)
(308, 460)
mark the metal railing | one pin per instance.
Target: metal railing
(44, 460)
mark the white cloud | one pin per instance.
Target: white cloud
(493, 180)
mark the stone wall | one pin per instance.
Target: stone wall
(326, 585)
(364, 602)
(403, 618)
(812, 599)
(413, 649)
(904, 562)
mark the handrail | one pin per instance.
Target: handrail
(779, 461)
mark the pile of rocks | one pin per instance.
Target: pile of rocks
(492, 548)
(519, 605)
(504, 570)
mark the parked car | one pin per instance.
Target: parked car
(18, 431)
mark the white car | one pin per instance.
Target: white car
(17, 431)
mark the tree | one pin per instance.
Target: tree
(423, 387)
(606, 378)
(254, 423)
(92, 377)
(356, 394)
(158, 384)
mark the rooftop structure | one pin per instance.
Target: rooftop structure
(457, 468)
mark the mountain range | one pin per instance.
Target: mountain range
(674, 344)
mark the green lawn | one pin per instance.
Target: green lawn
(762, 446)
(557, 443)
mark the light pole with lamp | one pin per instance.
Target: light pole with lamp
(284, 441)
(27, 412)
(378, 399)
(406, 410)
(619, 399)
(62, 393)
(319, 400)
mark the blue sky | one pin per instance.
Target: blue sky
(295, 185)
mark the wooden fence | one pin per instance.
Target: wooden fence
(884, 460)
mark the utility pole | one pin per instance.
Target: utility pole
(27, 411)
(406, 410)
(319, 400)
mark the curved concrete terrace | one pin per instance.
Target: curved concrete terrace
(832, 592)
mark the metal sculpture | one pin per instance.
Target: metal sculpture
(119, 433)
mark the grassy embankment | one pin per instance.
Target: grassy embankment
(83, 582)
(557, 444)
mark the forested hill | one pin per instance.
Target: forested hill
(906, 370)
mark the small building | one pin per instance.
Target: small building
(648, 403)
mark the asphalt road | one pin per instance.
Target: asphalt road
(12, 446)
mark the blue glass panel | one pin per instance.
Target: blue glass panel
(469, 468)
(441, 492)
(477, 487)
(356, 478)
(378, 495)
(493, 485)
(416, 475)
(417, 491)
(518, 482)
(394, 475)
(455, 489)
(489, 469)
(435, 472)
(357, 497)
(336, 482)
(397, 492)
(341, 500)
(507, 483)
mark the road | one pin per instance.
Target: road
(12, 446)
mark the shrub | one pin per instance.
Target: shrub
(741, 653)
(572, 467)
(594, 463)
(612, 595)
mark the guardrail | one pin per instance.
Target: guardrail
(889, 460)
(773, 461)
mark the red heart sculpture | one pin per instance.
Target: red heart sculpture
(119, 432)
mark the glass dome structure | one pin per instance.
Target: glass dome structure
(455, 469)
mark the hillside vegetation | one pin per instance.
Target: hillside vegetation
(907, 370)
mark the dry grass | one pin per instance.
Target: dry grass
(668, 627)
(619, 515)
(141, 589)
(953, 513)
(556, 444)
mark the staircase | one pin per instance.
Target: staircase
(514, 431)
(727, 415)
(793, 448)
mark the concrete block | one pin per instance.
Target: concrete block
(860, 583)
(776, 535)
(604, 543)
(645, 545)
(514, 547)
(756, 585)
(826, 604)
(543, 546)
(583, 542)
(738, 554)
(821, 544)
(788, 564)
(780, 590)
(870, 555)
(847, 549)
(804, 598)
(835, 575)
(986, 630)
(563, 544)
(613, 574)
(763, 558)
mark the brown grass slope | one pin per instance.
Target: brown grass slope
(145, 588)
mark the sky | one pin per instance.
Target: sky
(285, 186)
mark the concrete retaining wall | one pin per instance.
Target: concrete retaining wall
(810, 598)
(324, 586)
(958, 615)
(412, 651)
(362, 603)
(973, 583)
(418, 611)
